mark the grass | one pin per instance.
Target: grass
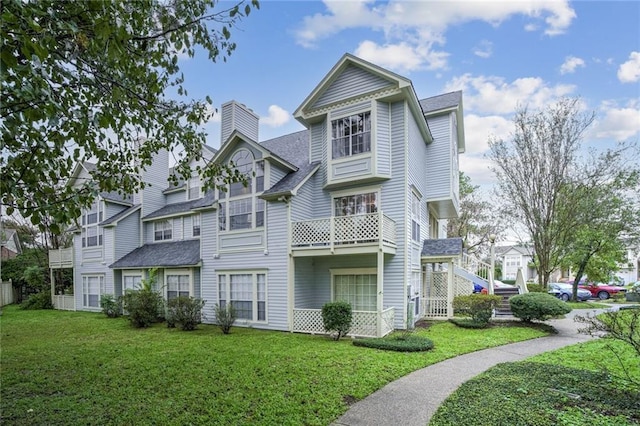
(591, 383)
(83, 368)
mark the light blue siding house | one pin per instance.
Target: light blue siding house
(342, 210)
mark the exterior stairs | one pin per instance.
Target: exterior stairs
(504, 308)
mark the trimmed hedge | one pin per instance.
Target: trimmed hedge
(398, 343)
(477, 306)
(337, 318)
(537, 306)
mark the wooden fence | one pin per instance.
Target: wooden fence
(7, 296)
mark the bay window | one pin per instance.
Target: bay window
(91, 232)
(355, 204)
(351, 135)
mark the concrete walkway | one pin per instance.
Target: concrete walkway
(413, 399)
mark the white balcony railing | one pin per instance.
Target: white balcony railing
(340, 230)
(364, 324)
(61, 258)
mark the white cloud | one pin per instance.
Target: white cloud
(277, 117)
(479, 129)
(629, 72)
(570, 64)
(401, 56)
(417, 27)
(484, 49)
(478, 168)
(493, 95)
(619, 123)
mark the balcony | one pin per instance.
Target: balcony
(61, 258)
(362, 233)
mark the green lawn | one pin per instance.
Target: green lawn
(580, 385)
(82, 368)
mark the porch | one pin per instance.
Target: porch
(358, 233)
(64, 302)
(365, 323)
(61, 258)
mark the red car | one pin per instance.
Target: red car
(602, 291)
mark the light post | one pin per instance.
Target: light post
(492, 241)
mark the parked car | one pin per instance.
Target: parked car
(602, 291)
(565, 292)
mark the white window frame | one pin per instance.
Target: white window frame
(180, 273)
(354, 272)
(243, 202)
(97, 209)
(416, 217)
(85, 290)
(334, 137)
(196, 225)
(164, 230)
(136, 282)
(194, 188)
(355, 193)
(258, 295)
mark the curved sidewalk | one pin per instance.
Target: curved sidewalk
(414, 398)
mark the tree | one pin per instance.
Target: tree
(604, 201)
(532, 168)
(90, 81)
(476, 220)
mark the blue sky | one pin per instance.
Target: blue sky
(500, 54)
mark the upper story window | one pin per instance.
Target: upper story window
(512, 261)
(91, 232)
(415, 217)
(355, 204)
(194, 188)
(351, 135)
(195, 221)
(162, 230)
(241, 209)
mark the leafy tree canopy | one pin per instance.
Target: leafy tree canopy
(89, 80)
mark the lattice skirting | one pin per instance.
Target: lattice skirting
(364, 322)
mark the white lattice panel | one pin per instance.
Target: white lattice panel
(435, 307)
(388, 320)
(438, 285)
(311, 232)
(356, 228)
(461, 286)
(364, 324)
(308, 321)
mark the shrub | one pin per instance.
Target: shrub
(186, 311)
(337, 318)
(535, 288)
(537, 306)
(225, 317)
(398, 343)
(478, 306)
(111, 306)
(143, 307)
(40, 300)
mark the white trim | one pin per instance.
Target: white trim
(254, 291)
(182, 271)
(355, 191)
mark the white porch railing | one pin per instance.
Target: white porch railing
(64, 302)
(339, 230)
(365, 323)
(61, 258)
(434, 304)
(474, 265)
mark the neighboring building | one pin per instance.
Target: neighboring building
(514, 257)
(339, 211)
(629, 271)
(10, 244)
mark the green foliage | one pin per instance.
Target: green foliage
(225, 317)
(143, 306)
(536, 288)
(622, 325)
(14, 269)
(397, 343)
(41, 300)
(97, 73)
(34, 277)
(337, 318)
(537, 306)
(185, 311)
(540, 394)
(468, 323)
(111, 306)
(477, 306)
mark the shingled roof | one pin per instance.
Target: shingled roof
(293, 147)
(444, 247)
(124, 213)
(440, 102)
(175, 253)
(183, 207)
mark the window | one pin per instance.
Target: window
(351, 135)
(247, 293)
(131, 282)
(194, 188)
(91, 232)
(92, 288)
(243, 209)
(195, 219)
(512, 260)
(178, 285)
(355, 204)
(358, 289)
(415, 218)
(162, 230)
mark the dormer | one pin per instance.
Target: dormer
(349, 117)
